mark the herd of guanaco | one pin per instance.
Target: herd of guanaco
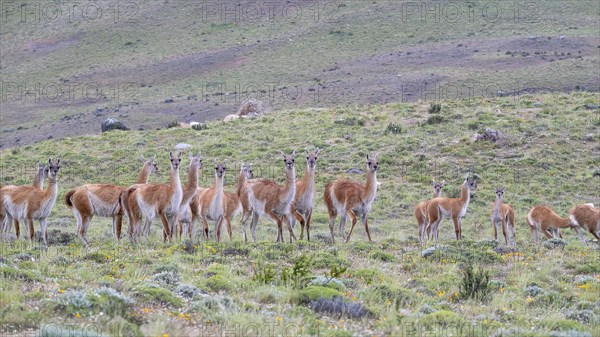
(179, 207)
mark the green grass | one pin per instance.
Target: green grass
(160, 288)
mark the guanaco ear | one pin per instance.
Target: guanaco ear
(317, 151)
(282, 154)
(432, 181)
(49, 161)
(179, 155)
(443, 182)
(191, 155)
(307, 152)
(154, 158)
(170, 154)
(143, 159)
(367, 156)
(58, 161)
(294, 153)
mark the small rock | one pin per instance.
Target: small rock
(432, 250)
(182, 146)
(500, 93)
(112, 124)
(428, 252)
(169, 100)
(354, 170)
(533, 37)
(588, 138)
(561, 37)
(538, 105)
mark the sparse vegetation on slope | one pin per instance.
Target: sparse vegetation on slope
(319, 288)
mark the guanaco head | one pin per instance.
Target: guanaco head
(175, 160)
(53, 168)
(220, 170)
(470, 182)
(42, 170)
(246, 171)
(150, 164)
(500, 192)
(289, 160)
(195, 160)
(372, 163)
(311, 158)
(437, 186)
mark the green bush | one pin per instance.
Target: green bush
(382, 256)
(434, 108)
(297, 275)
(435, 119)
(157, 294)
(219, 282)
(313, 293)
(264, 273)
(441, 318)
(475, 284)
(399, 297)
(394, 128)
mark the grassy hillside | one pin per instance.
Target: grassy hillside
(67, 66)
(386, 288)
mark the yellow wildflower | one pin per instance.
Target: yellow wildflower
(77, 315)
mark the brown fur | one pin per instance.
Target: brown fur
(545, 220)
(38, 182)
(587, 217)
(213, 204)
(302, 207)
(504, 215)
(190, 190)
(31, 202)
(266, 197)
(454, 208)
(420, 211)
(88, 200)
(351, 198)
(163, 200)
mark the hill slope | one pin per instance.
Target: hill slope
(551, 157)
(65, 68)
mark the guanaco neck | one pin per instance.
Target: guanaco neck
(241, 180)
(51, 190)
(192, 184)
(218, 186)
(564, 222)
(175, 183)
(308, 180)
(289, 190)
(144, 175)
(498, 204)
(38, 179)
(371, 187)
(465, 195)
